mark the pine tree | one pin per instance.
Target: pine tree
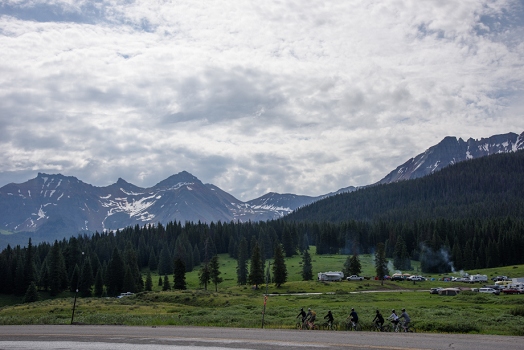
(355, 268)
(57, 271)
(160, 283)
(242, 262)
(29, 268)
(99, 284)
(149, 282)
(179, 275)
(115, 274)
(381, 264)
(31, 294)
(166, 286)
(129, 281)
(279, 266)
(86, 279)
(307, 268)
(165, 264)
(204, 275)
(256, 269)
(214, 271)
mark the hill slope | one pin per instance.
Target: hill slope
(491, 186)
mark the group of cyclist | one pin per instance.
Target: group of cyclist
(308, 319)
(394, 318)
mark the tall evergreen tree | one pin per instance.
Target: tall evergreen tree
(99, 284)
(287, 242)
(57, 271)
(381, 263)
(242, 262)
(149, 282)
(307, 268)
(86, 279)
(31, 294)
(214, 271)
(279, 266)
(179, 275)
(355, 267)
(256, 269)
(165, 262)
(29, 268)
(204, 275)
(166, 286)
(115, 274)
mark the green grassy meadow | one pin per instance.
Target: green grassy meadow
(242, 306)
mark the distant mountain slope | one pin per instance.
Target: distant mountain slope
(451, 151)
(491, 186)
(56, 206)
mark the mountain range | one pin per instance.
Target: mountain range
(51, 207)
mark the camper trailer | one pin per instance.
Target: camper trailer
(330, 276)
(478, 278)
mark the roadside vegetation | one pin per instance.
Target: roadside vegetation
(241, 306)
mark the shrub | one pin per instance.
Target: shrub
(518, 311)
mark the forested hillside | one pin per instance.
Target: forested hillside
(466, 216)
(488, 187)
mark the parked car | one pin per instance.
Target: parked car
(500, 278)
(126, 294)
(399, 276)
(512, 291)
(355, 278)
(416, 278)
(489, 291)
(434, 290)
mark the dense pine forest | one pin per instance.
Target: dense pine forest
(467, 216)
(488, 187)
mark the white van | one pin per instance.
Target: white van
(489, 290)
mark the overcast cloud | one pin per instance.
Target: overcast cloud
(299, 97)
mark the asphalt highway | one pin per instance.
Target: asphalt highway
(52, 337)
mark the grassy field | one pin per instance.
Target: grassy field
(242, 306)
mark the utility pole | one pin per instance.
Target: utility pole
(265, 295)
(77, 284)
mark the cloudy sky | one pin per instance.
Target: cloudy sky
(287, 96)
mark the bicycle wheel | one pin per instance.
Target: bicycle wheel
(386, 328)
(412, 330)
(315, 327)
(298, 325)
(357, 327)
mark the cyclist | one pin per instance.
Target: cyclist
(378, 320)
(330, 319)
(394, 318)
(302, 315)
(310, 317)
(406, 318)
(353, 316)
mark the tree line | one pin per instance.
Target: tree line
(112, 262)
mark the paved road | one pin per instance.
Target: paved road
(198, 338)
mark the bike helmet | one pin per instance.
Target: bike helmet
(352, 309)
(309, 309)
(392, 310)
(378, 312)
(403, 309)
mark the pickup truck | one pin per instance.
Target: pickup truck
(355, 278)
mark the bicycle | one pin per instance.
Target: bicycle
(409, 328)
(396, 327)
(377, 328)
(353, 326)
(329, 326)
